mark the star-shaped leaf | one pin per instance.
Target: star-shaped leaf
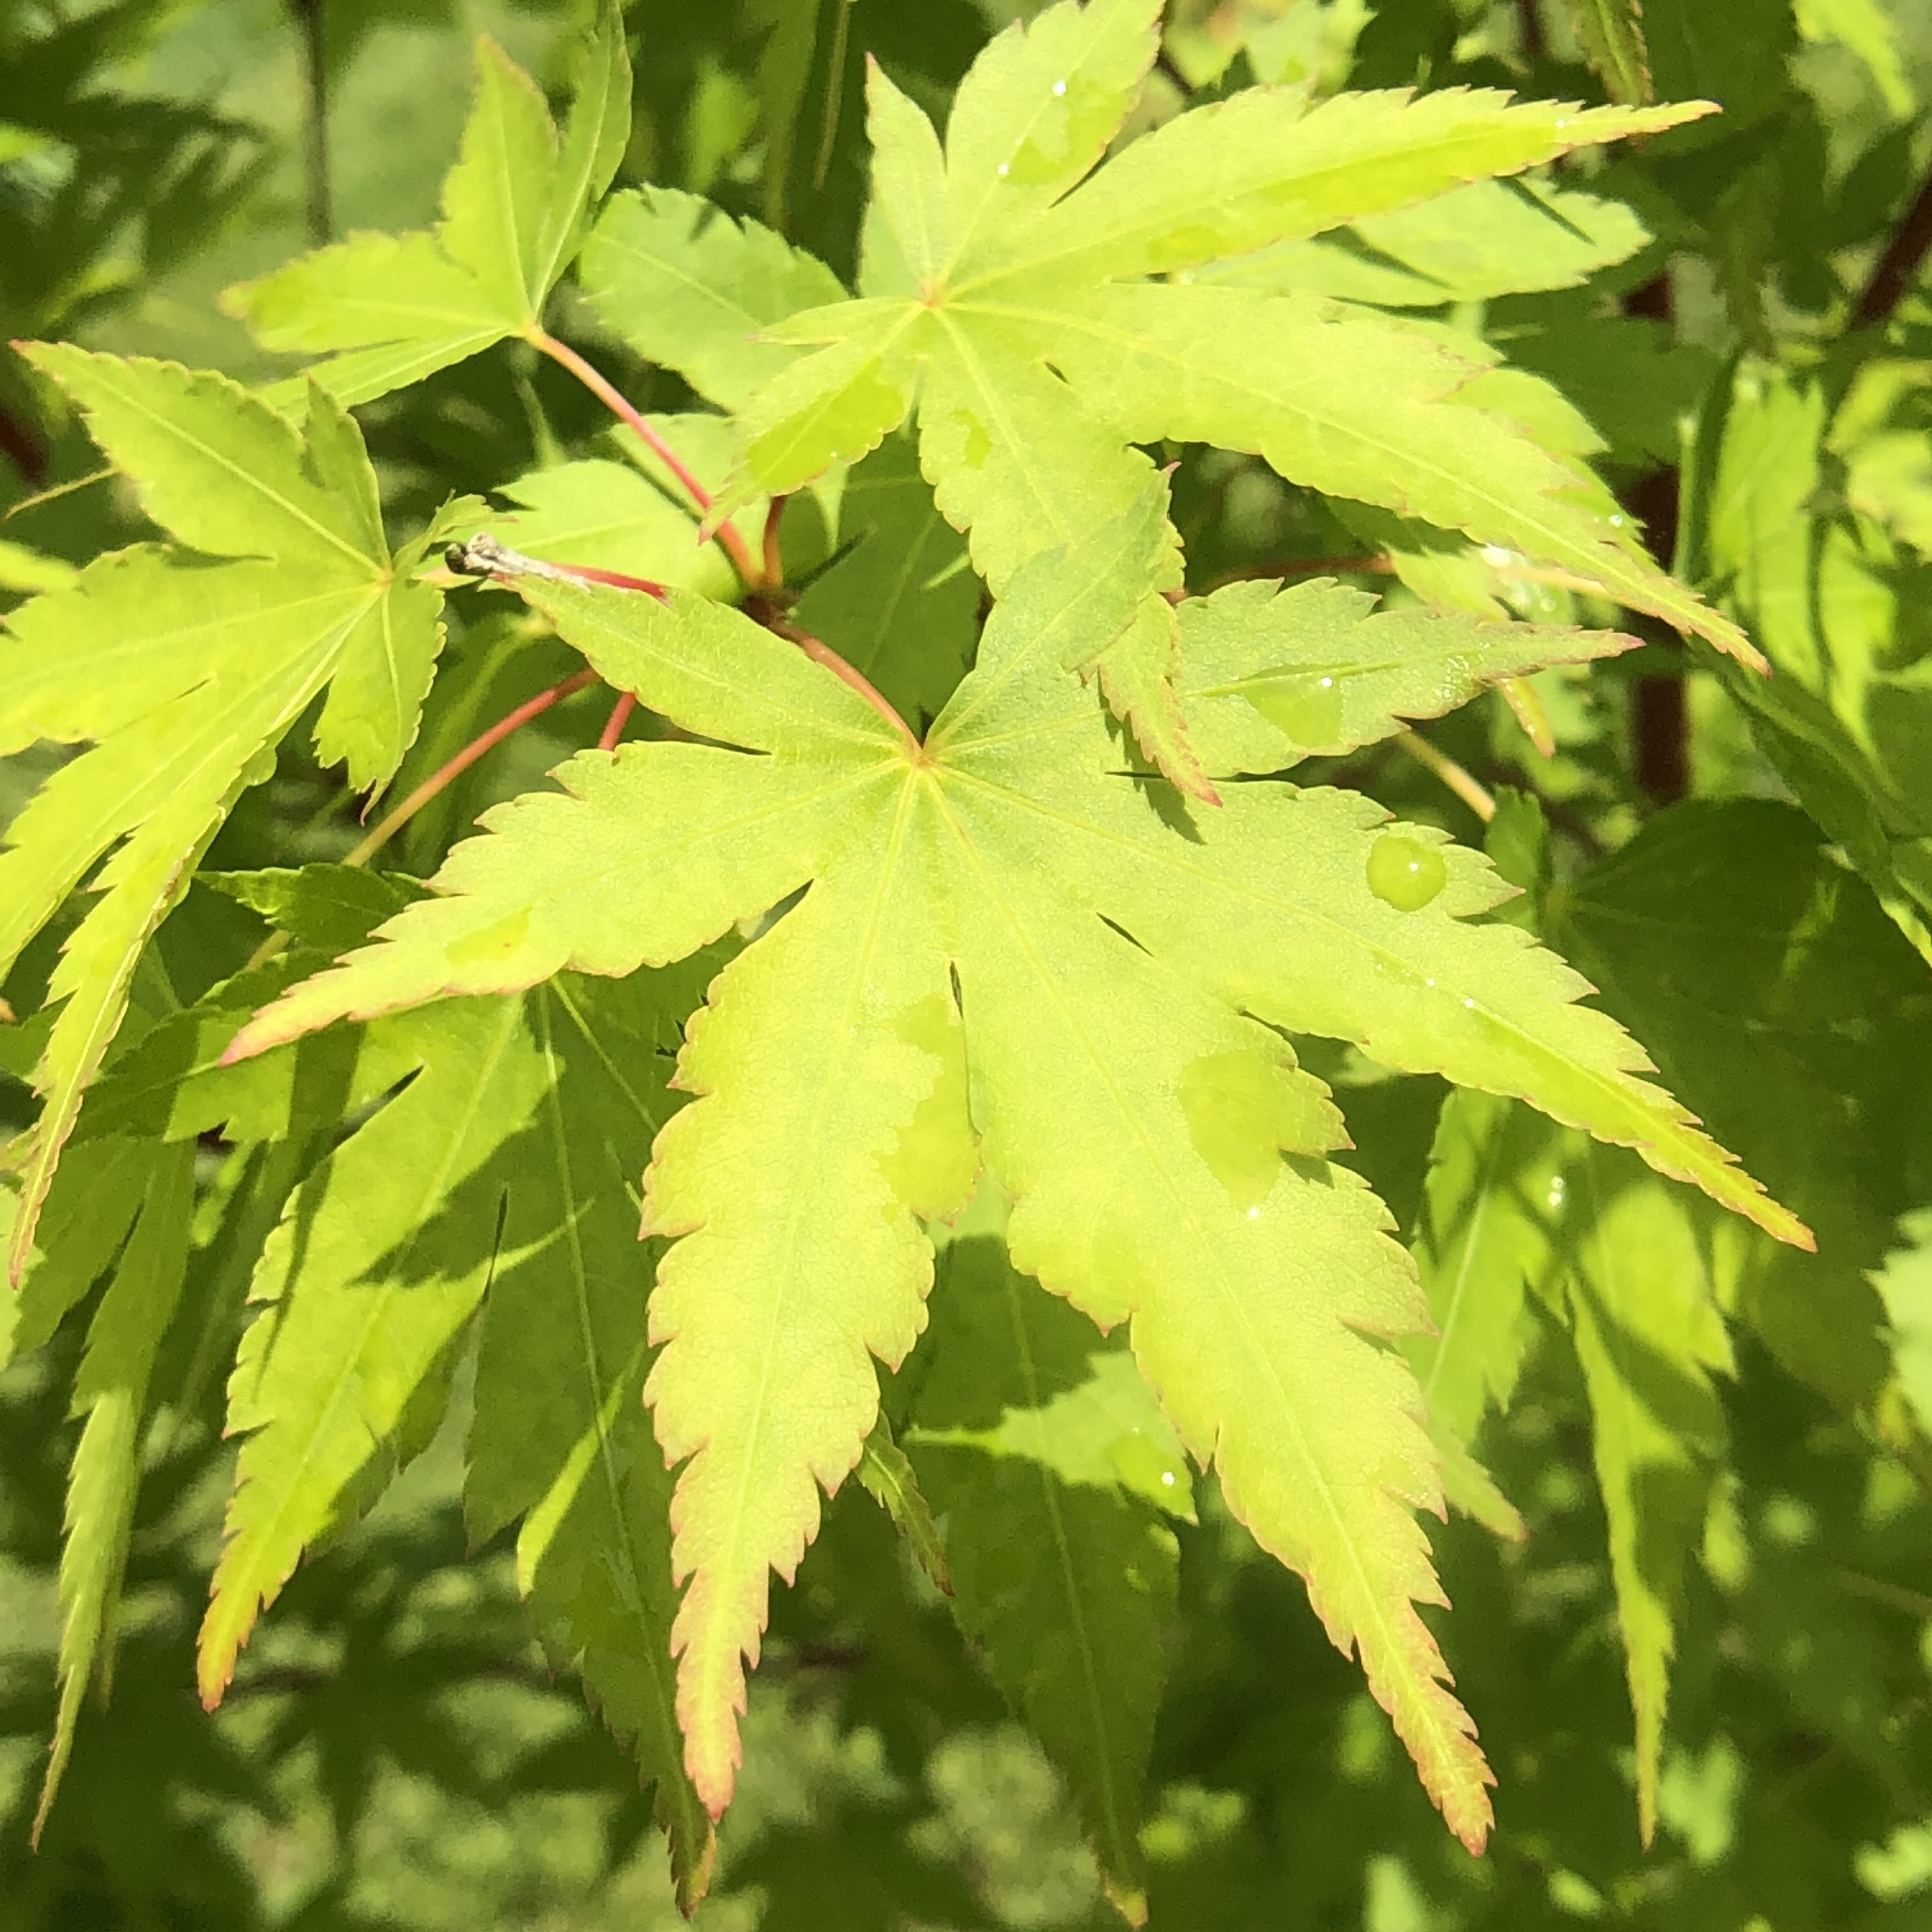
(996, 945)
(1048, 323)
(181, 667)
(386, 310)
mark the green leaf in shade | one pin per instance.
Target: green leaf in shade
(1038, 1446)
(1496, 1180)
(385, 311)
(688, 288)
(902, 606)
(110, 1391)
(1650, 1338)
(1904, 1285)
(182, 672)
(364, 1290)
(1767, 981)
(1846, 721)
(329, 908)
(559, 1437)
(1866, 29)
(1613, 31)
(971, 904)
(89, 1209)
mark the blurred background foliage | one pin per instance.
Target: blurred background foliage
(1750, 361)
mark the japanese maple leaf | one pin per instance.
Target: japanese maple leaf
(999, 945)
(1040, 317)
(180, 666)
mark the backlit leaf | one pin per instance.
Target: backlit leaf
(110, 1391)
(387, 310)
(183, 673)
(971, 904)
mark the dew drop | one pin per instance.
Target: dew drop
(1404, 873)
(1557, 1191)
(1006, 169)
(1060, 87)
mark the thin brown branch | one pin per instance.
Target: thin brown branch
(1898, 267)
(309, 23)
(22, 449)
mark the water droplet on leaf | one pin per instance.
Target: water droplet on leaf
(1302, 707)
(1404, 873)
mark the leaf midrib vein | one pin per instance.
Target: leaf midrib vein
(1229, 1293)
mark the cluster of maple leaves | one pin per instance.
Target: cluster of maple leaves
(1023, 942)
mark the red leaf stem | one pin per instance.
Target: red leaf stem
(452, 769)
(606, 392)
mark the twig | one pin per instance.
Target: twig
(613, 725)
(1897, 268)
(22, 449)
(453, 768)
(774, 575)
(1894, 1596)
(1455, 776)
(835, 96)
(620, 406)
(1529, 30)
(308, 18)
